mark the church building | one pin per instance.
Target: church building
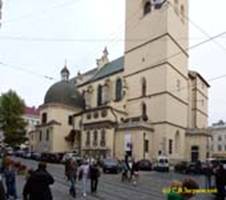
(144, 104)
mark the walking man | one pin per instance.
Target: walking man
(220, 182)
(37, 185)
(94, 176)
(71, 173)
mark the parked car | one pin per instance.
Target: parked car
(162, 164)
(36, 156)
(181, 167)
(111, 166)
(144, 165)
(71, 155)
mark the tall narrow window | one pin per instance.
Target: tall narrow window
(170, 146)
(70, 120)
(176, 6)
(144, 87)
(44, 118)
(47, 135)
(147, 7)
(95, 138)
(182, 13)
(118, 90)
(103, 138)
(40, 136)
(99, 95)
(144, 112)
(88, 138)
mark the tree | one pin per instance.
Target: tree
(12, 107)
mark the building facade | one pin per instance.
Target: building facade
(31, 117)
(218, 133)
(144, 104)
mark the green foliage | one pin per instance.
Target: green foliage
(11, 122)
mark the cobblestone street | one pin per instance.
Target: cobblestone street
(150, 185)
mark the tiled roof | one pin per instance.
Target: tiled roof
(109, 69)
(31, 111)
(113, 67)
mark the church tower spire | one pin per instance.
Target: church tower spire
(65, 72)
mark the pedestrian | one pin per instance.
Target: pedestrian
(220, 177)
(10, 181)
(83, 174)
(66, 169)
(125, 171)
(94, 176)
(134, 172)
(208, 176)
(2, 190)
(37, 185)
(71, 173)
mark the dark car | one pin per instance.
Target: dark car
(110, 166)
(194, 168)
(181, 167)
(36, 156)
(144, 165)
(51, 157)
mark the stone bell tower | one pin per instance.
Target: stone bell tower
(156, 70)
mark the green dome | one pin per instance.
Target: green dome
(66, 93)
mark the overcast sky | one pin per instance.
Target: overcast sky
(79, 30)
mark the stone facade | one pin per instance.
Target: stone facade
(218, 133)
(146, 103)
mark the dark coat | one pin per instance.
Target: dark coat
(37, 186)
(94, 172)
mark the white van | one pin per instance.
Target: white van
(162, 164)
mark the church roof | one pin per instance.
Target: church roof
(66, 93)
(109, 69)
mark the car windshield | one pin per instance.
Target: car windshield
(111, 162)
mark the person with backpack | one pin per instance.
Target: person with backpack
(94, 177)
(37, 185)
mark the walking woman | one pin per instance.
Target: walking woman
(83, 174)
(10, 181)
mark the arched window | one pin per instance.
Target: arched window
(118, 90)
(144, 87)
(147, 7)
(99, 95)
(144, 112)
